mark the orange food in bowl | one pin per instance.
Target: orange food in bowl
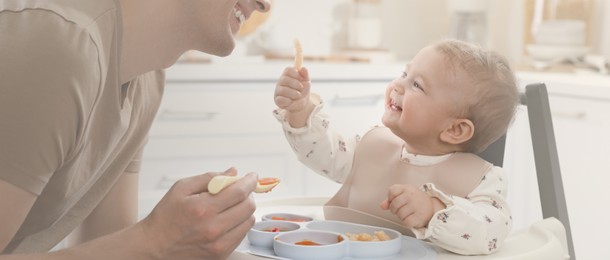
(285, 219)
(307, 242)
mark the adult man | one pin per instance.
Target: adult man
(80, 83)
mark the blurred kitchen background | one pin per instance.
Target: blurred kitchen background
(217, 112)
(535, 33)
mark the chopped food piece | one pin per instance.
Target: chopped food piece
(298, 54)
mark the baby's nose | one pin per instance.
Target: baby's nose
(398, 89)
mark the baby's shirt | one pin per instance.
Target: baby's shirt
(475, 224)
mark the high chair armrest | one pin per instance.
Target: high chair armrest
(545, 239)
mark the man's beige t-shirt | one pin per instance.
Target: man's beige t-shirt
(68, 128)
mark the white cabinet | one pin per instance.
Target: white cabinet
(211, 126)
(580, 107)
(215, 117)
(582, 127)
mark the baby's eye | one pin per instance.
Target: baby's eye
(417, 85)
(404, 74)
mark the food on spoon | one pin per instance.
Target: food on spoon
(298, 54)
(219, 182)
(266, 184)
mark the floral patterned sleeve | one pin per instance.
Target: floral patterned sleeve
(477, 224)
(318, 147)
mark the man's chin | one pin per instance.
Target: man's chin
(222, 49)
(223, 54)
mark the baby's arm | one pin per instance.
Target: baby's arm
(477, 224)
(307, 130)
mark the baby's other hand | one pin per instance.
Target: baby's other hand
(292, 90)
(414, 207)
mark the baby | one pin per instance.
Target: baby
(419, 173)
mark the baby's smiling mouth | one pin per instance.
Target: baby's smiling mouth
(394, 105)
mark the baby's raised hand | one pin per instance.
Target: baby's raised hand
(292, 90)
(414, 207)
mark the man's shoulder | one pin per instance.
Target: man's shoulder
(72, 21)
(59, 35)
(74, 11)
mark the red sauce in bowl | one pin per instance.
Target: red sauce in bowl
(306, 242)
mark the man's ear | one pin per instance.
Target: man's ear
(460, 131)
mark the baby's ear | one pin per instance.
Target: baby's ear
(460, 131)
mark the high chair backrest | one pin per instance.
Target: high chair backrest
(550, 185)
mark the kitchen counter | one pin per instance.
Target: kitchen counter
(592, 86)
(584, 85)
(257, 71)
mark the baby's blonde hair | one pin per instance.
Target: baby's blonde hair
(495, 94)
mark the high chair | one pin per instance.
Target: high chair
(549, 238)
(550, 184)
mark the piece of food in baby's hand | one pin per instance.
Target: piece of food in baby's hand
(298, 54)
(219, 182)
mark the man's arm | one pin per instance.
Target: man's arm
(188, 223)
(15, 203)
(118, 210)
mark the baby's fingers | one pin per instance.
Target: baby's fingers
(282, 102)
(289, 92)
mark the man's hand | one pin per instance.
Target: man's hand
(190, 223)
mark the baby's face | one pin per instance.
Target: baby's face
(422, 102)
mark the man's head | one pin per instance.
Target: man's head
(215, 23)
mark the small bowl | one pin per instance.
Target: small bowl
(328, 245)
(262, 233)
(363, 249)
(287, 217)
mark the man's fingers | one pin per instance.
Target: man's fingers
(232, 194)
(237, 234)
(199, 183)
(194, 184)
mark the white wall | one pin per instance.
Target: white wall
(407, 25)
(410, 25)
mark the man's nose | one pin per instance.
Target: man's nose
(263, 6)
